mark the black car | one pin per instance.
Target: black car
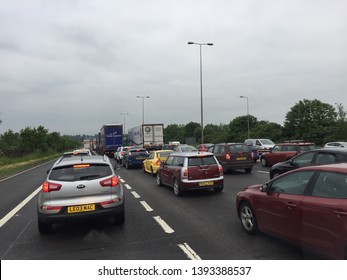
(314, 157)
(134, 157)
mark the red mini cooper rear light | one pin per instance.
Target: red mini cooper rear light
(227, 157)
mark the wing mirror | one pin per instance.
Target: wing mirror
(264, 188)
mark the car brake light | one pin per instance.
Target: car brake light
(158, 162)
(220, 170)
(184, 173)
(81, 165)
(227, 157)
(50, 187)
(110, 182)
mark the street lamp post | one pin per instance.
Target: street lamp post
(201, 99)
(124, 124)
(143, 106)
(242, 96)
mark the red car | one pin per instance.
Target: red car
(306, 206)
(191, 171)
(284, 151)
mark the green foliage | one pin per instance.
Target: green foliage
(309, 120)
(34, 141)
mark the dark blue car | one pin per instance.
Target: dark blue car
(134, 157)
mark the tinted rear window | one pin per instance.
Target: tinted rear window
(197, 161)
(80, 172)
(239, 148)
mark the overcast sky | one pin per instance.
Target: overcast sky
(74, 65)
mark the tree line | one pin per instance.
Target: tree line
(34, 140)
(307, 120)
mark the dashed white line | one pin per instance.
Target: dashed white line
(127, 186)
(189, 251)
(135, 194)
(261, 171)
(146, 206)
(163, 224)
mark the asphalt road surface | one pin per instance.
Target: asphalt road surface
(158, 225)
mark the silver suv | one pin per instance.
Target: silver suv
(80, 187)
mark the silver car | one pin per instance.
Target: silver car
(80, 187)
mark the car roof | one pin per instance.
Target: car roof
(192, 154)
(338, 167)
(295, 144)
(82, 159)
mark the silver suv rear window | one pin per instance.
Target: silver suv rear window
(80, 172)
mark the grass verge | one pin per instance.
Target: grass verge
(12, 166)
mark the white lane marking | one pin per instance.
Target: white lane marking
(261, 171)
(189, 251)
(146, 206)
(135, 194)
(122, 180)
(13, 212)
(127, 186)
(163, 224)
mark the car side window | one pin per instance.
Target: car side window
(304, 159)
(294, 183)
(211, 149)
(178, 161)
(276, 149)
(325, 158)
(169, 160)
(333, 185)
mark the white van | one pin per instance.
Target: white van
(261, 144)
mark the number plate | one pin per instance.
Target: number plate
(241, 158)
(81, 208)
(207, 183)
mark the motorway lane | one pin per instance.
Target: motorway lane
(200, 225)
(207, 221)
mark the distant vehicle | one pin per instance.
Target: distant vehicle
(191, 171)
(314, 157)
(263, 145)
(336, 145)
(306, 206)
(121, 151)
(81, 152)
(183, 148)
(134, 157)
(152, 163)
(78, 188)
(149, 136)
(204, 147)
(284, 151)
(233, 156)
(110, 139)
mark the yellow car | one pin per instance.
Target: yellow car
(152, 163)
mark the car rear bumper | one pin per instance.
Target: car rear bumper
(237, 165)
(201, 184)
(63, 216)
